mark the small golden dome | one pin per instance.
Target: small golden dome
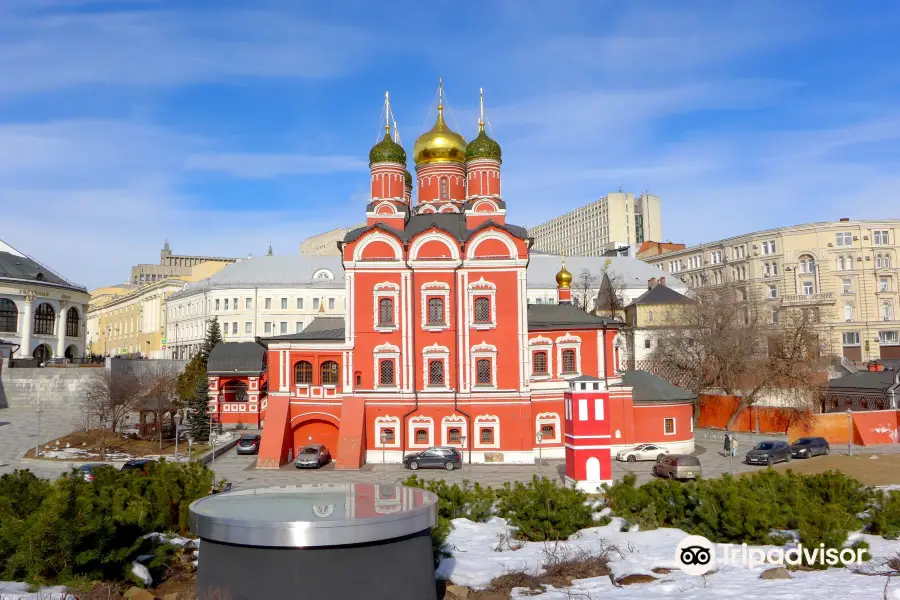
(441, 144)
(564, 278)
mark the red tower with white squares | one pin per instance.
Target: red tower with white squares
(587, 439)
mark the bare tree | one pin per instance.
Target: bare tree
(584, 290)
(729, 341)
(163, 386)
(610, 301)
(106, 401)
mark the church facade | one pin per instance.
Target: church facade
(438, 344)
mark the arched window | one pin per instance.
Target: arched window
(445, 194)
(43, 319)
(9, 316)
(482, 310)
(886, 311)
(72, 322)
(435, 311)
(840, 263)
(848, 312)
(235, 391)
(329, 373)
(539, 363)
(303, 372)
(387, 372)
(568, 361)
(386, 311)
(807, 264)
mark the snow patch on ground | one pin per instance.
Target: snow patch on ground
(475, 563)
(142, 573)
(15, 590)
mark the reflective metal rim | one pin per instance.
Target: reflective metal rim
(305, 534)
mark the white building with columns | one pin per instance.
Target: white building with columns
(261, 296)
(41, 312)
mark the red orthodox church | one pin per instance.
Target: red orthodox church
(438, 345)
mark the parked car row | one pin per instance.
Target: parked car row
(87, 471)
(686, 466)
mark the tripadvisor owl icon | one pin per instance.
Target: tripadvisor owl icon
(695, 555)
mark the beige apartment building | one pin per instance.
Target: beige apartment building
(175, 265)
(131, 323)
(616, 221)
(325, 244)
(846, 270)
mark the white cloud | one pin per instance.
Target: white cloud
(271, 165)
(43, 50)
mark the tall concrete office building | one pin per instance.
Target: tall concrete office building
(616, 221)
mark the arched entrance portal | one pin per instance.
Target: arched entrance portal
(42, 353)
(315, 429)
(72, 352)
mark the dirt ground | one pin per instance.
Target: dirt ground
(135, 448)
(883, 470)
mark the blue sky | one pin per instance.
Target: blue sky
(223, 125)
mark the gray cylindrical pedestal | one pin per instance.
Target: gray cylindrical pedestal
(316, 542)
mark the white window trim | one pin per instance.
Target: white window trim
(386, 352)
(436, 352)
(482, 288)
(450, 422)
(674, 425)
(486, 422)
(549, 419)
(584, 413)
(387, 422)
(420, 422)
(483, 350)
(386, 289)
(568, 342)
(437, 289)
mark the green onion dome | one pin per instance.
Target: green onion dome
(387, 150)
(483, 147)
(407, 178)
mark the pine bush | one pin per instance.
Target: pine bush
(753, 509)
(76, 529)
(542, 510)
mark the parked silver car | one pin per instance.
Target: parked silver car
(678, 466)
(312, 456)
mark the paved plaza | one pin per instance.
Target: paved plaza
(19, 428)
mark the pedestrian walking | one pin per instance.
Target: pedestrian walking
(734, 447)
(728, 443)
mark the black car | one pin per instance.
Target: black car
(438, 457)
(768, 453)
(138, 464)
(248, 444)
(807, 447)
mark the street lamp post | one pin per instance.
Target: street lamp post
(37, 441)
(383, 442)
(540, 436)
(849, 432)
(462, 468)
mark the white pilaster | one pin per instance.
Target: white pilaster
(27, 322)
(61, 330)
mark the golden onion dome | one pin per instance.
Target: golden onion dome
(564, 278)
(440, 144)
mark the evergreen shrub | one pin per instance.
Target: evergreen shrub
(822, 508)
(73, 530)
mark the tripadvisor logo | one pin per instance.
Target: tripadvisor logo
(696, 555)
